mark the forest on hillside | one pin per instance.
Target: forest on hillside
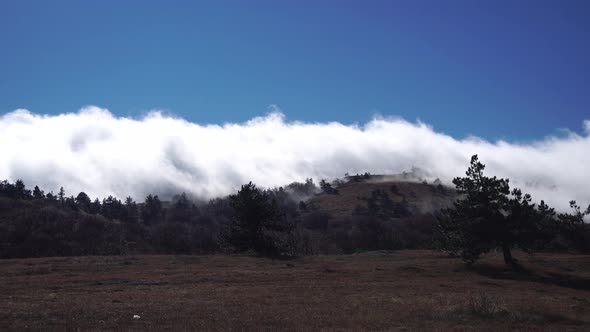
(34, 223)
(285, 221)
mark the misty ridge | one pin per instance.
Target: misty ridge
(238, 188)
(43, 223)
(359, 212)
(100, 154)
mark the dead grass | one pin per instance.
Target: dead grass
(482, 306)
(407, 290)
(353, 194)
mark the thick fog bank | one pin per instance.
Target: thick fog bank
(96, 152)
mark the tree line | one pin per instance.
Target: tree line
(282, 222)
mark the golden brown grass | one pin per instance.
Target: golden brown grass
(350, 195)
(406, 290)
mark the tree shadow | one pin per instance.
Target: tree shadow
(523, 274)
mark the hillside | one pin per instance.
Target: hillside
(367, 213)
(420, 197)
(355, 214)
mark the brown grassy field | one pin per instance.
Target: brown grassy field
(351, 194)
(400, 291)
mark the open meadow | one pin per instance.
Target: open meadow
(397, 291)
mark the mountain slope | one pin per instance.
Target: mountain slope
(422, 198)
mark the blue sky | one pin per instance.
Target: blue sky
(516, 70)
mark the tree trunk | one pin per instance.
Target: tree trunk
(508, 259)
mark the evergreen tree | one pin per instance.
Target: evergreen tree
(61, 196)
(380, 205)
(183, 210)
(70, 202)
(38, 193)
(327, 188)
(489, 216)
(95, 206)
(7, 189)
(257, 224)
(21, 191)
(574, 230)
(83, 202)
(152, 211)
(132, 213)
(112, 208)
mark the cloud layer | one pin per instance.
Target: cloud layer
(96, 152)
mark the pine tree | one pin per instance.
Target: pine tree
(489, 216)
(21, 190)
(131, 211)
(152, 211)
(61, 196)
(327, 188)
(257, 224)
(38, 193)
(83, 201)
(183, 210)
(95, 206)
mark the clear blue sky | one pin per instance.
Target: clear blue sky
(499, 69)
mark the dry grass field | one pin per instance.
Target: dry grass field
(423, 197)
(399, 291)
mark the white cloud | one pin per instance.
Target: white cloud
(96, 152)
